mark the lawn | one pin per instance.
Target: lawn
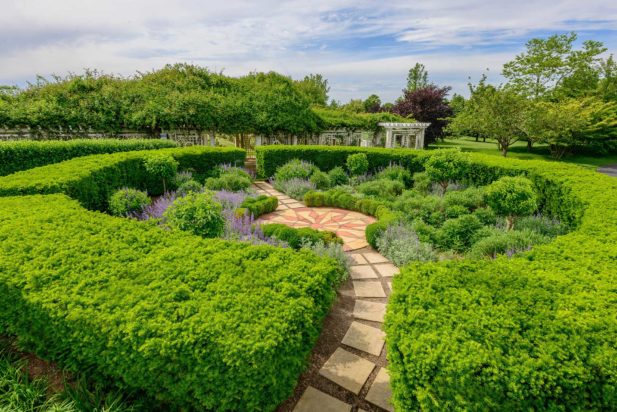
(519, 151)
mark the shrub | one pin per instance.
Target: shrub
(295, 187)
(446, 167)
(189, 186)
(382, 188)
(297, 237)
(258, 206)
(120, 299)
(127, 201)
(414, 205)
(422, 183)
(294, 169)
(486, 216)
(508, 243)
(357, 164)
(456, 234)
(183, 177)
(320, 180)
(540, 224)
(161, 166)
(401, 245)
(454, 211)
(196, 213)
(338, 176)
(333, 250)
(470, 198)
(229, 181)
(26, 154)
(512, 197)
(397, 173)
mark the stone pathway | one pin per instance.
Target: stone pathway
(352, 376)
(610, 170)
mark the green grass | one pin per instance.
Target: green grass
(519, 151)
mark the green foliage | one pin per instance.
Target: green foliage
(422, 182)
(315, 88)
(299, 237)
(127, 201)
(512, 197)
(338, 176)
(259, 205)
(294, 169)
(295, 188)
(320, 180)
(337, 118)
(357, 164)
(506, 242)
(540, 224)
(23, 155)
(138, 298)
(190, 186)
(382, 188)
(93, 179)
(401, 245)
(470, 198)
(447, 167)
(161, 166)
(417, 77)
(229, 181)
(196, 213)
(396, 172)
(486, 215)
(457, 234)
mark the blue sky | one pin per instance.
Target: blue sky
(362, 47)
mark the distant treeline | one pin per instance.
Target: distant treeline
(176, 97)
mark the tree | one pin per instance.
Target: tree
(512, 197)
(427, 104)
(315, 88)
(372, 104)
(607, 86)
(417, 78)
(493, 113)
(552, 63)
(445, 167)
(354, 106)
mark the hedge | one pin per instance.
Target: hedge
(195, 324)
(23, 155)
(92, 179)
(258, 206)
(534, 332)
(295, 237)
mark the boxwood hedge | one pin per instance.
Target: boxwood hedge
(23, 155)
(196, 324)
(534, 332)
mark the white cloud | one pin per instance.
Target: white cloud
(454, 39)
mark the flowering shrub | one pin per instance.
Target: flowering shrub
(294, 169)
(156, 209)
(295, 187)
(401, 245)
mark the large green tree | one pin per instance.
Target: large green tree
(315, 88)
(553, 65)
(417, 77)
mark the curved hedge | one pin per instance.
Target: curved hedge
(196, 324)
(535, 332)
(23, 155)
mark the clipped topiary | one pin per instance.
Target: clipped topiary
(512, 197)
(357, 164)
(445, 167)
(128, 201)
(321, 180)
(196, 213)
(161, 166)
(338, 176)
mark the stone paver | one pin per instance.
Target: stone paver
(380, 393)
(362, 272)
(347, 370)
(365, 338)
(387, 269)
(368, 289)
(374, 257)
(375, 311)
(315, 400)
(358, 259)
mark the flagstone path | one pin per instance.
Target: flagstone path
(347, 369)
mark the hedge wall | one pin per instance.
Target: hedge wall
(196, 324)
(23, 155)
(535, 332)
(91, 179)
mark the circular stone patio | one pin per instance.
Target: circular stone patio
(348, 225)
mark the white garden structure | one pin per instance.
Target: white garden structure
(391, 135)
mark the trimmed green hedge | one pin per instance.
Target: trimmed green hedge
(92, 179)
(270, 158)
(258, 206)
(534, 332)
(295, 236)
(196, 324)
(23, 155)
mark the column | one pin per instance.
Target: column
(295, 140)
(388, 137)
(258, 140)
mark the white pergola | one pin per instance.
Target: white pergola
(410, 135)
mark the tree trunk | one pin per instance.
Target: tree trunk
(529, 145)
(509, 222)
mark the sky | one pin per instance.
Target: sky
(361, 47)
